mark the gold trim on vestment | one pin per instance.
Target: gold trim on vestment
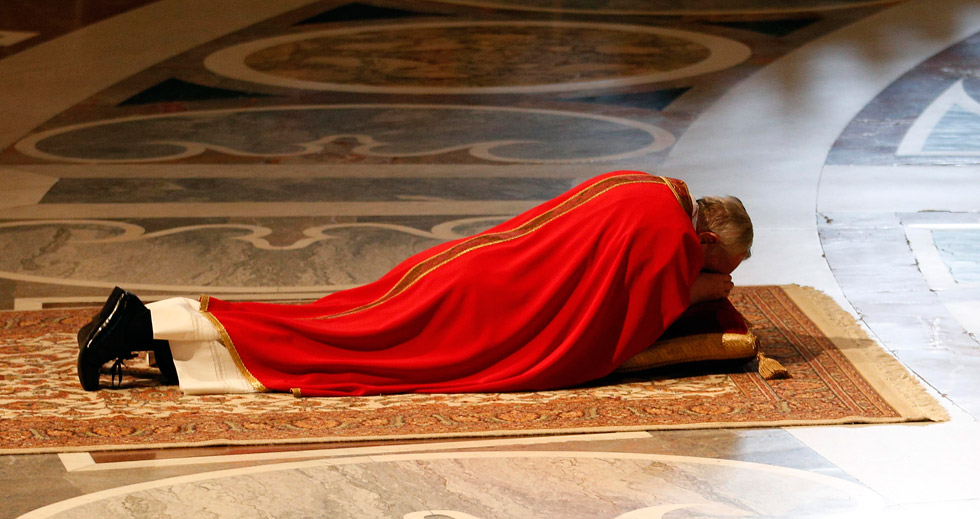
(672, 188)
(683, 199)
(230, 345)
(422, 269)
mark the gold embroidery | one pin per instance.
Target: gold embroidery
(672, 188)
(682, 198)
(230, 345)
(297, 392)
(740, 341)
(427, 266)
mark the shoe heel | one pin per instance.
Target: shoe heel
(106, 338)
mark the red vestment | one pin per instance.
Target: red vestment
(557, 296)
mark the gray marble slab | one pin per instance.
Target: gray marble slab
(960, 251)
(182, 254)
(153, 190)
(539, 485)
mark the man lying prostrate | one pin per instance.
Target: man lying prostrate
(557, 296)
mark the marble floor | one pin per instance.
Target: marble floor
(282, 150)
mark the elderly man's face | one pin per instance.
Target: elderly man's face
(717, 260)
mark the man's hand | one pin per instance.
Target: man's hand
(710, 286)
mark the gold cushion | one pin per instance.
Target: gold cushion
(712, 330)
(693, 348)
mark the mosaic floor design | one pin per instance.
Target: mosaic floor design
(341, 84)
(484, 485)
(382, 132)
(666, 7)
(254, 255)
(931, 115)
(947, 249)
(917, 136)
(477, 57)
(236, 179)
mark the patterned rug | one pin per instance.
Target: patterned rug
(837, 376)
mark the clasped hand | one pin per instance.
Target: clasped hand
(709, 286)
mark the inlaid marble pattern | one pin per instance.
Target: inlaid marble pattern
(926, 323)
(661, 7)
(209, 238)
(931, 115)
(949, 126)
(222, 255)
(917, 255)
(485, 485)
(335, 133)
(947, 250)
(160, 190)
(477, 57)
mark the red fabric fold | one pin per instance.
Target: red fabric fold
(555, 297)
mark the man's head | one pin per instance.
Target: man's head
(725, 231)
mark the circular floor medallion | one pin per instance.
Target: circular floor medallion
(491, 57)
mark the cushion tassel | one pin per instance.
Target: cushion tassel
(771, 369)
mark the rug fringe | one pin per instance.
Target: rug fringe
(903, 390)
(911, 401)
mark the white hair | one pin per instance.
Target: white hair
(726, 217)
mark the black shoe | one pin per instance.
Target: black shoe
(86, 330)
(122, 327)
